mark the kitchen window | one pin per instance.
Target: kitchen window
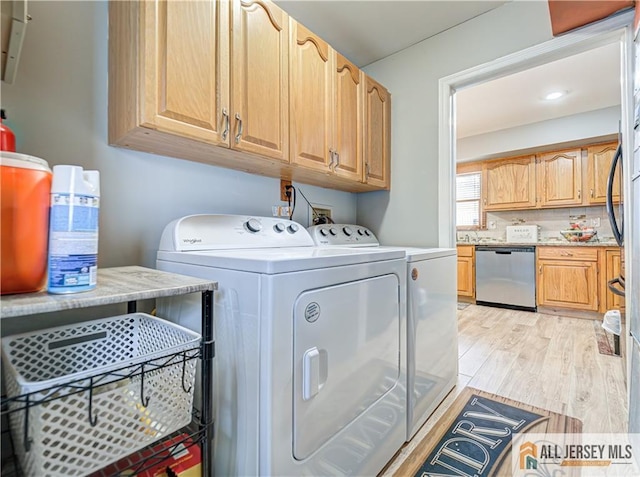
(468, 207)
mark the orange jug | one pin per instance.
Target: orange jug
(25, 187)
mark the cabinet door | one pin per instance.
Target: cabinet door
(466, 275)
(186, 68)
(311, 113)
(612, 270)
(259, 79)
(377, 134)
(348, 115)
(598, 164)
(568, 284)
(559, 178)
(510, 184)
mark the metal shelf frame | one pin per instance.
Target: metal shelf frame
(201, 430)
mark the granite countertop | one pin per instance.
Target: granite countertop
(544, 243)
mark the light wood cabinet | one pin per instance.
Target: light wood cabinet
(509, 183)
(228, 83)
(311, 117)
(559, 178)
(466, 270)
(348, 99)
(567, 278)
(181, 85)
(377, 135)
(259, 112)
(610, 268)
(599, 158)
(326, 107)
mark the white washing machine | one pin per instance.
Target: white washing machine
(432, 324)
(310, 368)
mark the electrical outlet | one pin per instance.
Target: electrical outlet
(283, 194)
(492, 224)
(595, 222)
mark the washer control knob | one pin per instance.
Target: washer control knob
(253, 225)
(347, 231)
(367, 233)
(324, 232)
(293, 228)
(332, 231)
(279, 227)
(360, 231)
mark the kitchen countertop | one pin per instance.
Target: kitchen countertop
(545, 243)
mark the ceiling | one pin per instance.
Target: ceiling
(365, 31)
(591, 80)
(368, 30)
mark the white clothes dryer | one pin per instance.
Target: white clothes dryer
(432, 324)
(310, 368)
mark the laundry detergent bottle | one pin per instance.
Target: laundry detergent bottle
(73, 230)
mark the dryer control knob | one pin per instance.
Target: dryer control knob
(253, 225)
(332, 231)
(347, 231)
(279, 227)
(324, 232)
(366, 232)
(360, 231)
(293, 228)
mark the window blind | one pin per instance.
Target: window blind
(468, 199)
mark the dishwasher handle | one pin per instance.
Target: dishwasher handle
(501, 252)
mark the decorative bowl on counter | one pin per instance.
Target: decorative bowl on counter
(579, 235)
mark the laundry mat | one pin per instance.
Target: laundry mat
(474, 436)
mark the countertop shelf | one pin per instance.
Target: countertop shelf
(115, 285)
(553, 243)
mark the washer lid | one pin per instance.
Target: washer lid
(281, 260)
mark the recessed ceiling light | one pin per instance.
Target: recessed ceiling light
(554, 95)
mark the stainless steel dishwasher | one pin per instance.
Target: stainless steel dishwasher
(506, 277)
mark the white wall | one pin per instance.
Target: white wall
(58, 110)
(521, 139)
(409, 212)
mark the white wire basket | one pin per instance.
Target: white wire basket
(97, 391)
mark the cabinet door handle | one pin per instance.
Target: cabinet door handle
(332, 156)
(484, 201)
(225, 115)
(579, 194)
(540, 269)
(337, 161)
(239, 135)
(592, 193)
(367, 170)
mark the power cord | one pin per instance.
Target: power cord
(287, 192)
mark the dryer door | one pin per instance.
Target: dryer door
(346, 356)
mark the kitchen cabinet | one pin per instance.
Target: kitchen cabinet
(610, 269)
(241, 85)
(466, 270)
(259, 79)
(115, 286)
(326, 107)
(311, 99)
(377, 135)
(599, 159)
(509, 183)
(567, 277)
(559, 178)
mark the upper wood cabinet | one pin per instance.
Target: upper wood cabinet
(259, 111)
(182, 81)
(599, 158)
(311, 119)
(326, 107)
(377, 134)
(559, 178)
(509, 183)
(239, 84)
(348, 113)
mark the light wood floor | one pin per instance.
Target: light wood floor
(546, 361)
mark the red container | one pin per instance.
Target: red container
(25, 185)
(7, 138)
